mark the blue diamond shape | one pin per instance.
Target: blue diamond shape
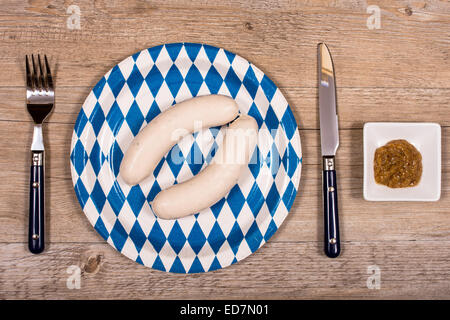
(196, 238)
(216, 238)
(103, 158)
(288, 122)
(289, 195)
(79, 157)
(236, 200)
(115, 118)
(157, 237)
(212, 152)
(211, 52)
(176, 238)
(273, 160)
(195, 159)
(80, 123)
(154, 52)
(136, 199)
(98, 196)
(194, 80)
(177, 266)
(215, 265)
(270, 230)
(116, 198)
(101, 229)
(253, 237)
(250, 82)
(153, 112)
(273, 199)
(173, 49)
(135, 81)
(158, 167)
(135, 56)
(81, 192)
(232, 82)
(175, 160)
(213, 80)
(174, 80)
(215, 131)
(255, 199)
(118, 235)
(255, 163)
(268, 87)
(153, 191)
(192, 50)
(196, 266)
(137, 236)
(96, 157)
(99, 87)
(230, 56)
(158, 265)
(97, 118)
(116, 80)
(217, 207)
(154, 80)
(135, 118)
(116, 156)
(290, 160)
(272, 121)
(235, 237)
(254, 112)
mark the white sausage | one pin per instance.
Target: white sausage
(216, 180)
(165, 130)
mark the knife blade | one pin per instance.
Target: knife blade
(329, 138)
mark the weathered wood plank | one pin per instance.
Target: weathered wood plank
(277, 271)
(361, 220)
(282, 42)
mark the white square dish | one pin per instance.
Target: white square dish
(426, 137)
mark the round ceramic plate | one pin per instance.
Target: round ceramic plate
(128, 97)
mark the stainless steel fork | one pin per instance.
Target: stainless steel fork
(40, 101)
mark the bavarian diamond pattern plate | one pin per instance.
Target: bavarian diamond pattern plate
(128, 97)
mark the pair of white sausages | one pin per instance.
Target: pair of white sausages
(168, 128)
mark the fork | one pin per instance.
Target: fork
(40, 101)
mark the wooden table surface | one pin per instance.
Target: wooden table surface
(399, 72)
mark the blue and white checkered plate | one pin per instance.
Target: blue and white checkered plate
(128, 97)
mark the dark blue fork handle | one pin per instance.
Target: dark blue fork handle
(330, 207)
(36, 215)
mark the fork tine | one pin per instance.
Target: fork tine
(41, 74)
(29, 81)
(49, 75)
(35, 75)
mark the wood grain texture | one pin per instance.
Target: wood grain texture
(397, 73)
(281, 41)
(293, 270)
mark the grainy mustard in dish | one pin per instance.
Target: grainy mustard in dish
(398, 164)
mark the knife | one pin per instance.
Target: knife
(329, 138)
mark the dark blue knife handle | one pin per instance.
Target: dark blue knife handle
(36, 215)
(330, 207)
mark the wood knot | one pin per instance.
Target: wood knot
(408, 11)
(248, 26)
(93, 263)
